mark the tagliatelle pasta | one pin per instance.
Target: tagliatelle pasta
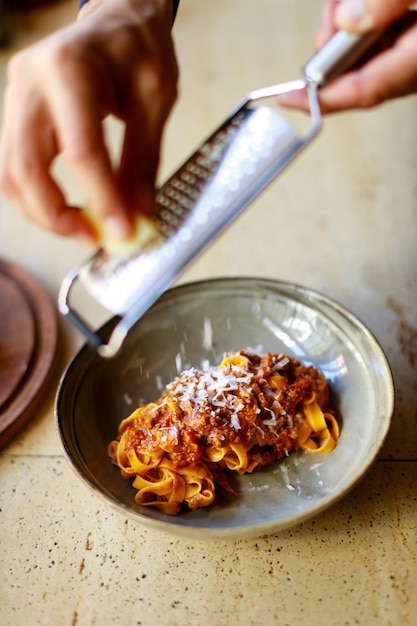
(241, 416)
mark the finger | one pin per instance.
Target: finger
(41, 199)
(145, 119)
(364, 15)
(27, 148)
(138, 167)
(78, 113)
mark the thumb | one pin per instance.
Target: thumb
(360, 16)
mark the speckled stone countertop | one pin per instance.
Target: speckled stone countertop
(343, 220)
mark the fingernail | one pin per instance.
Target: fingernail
(353, 15)
(117, 228)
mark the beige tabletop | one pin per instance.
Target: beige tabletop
(341, 219)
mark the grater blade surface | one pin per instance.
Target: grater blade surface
(203, 196)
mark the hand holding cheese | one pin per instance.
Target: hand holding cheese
(117, 59)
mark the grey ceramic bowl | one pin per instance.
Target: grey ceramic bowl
(201, 321)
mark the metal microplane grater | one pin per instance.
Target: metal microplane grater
(206, 194)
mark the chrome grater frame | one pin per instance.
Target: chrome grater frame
(205, 195)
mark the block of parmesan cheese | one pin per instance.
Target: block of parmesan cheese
(146, 235)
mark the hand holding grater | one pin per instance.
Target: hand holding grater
(206, 194)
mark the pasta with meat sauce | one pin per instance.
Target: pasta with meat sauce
(242, 415)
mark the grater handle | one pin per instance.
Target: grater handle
(65, 309)
(120, 327)
(339, 54)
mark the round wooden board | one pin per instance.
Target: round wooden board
(28, 343)
(17, 337)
